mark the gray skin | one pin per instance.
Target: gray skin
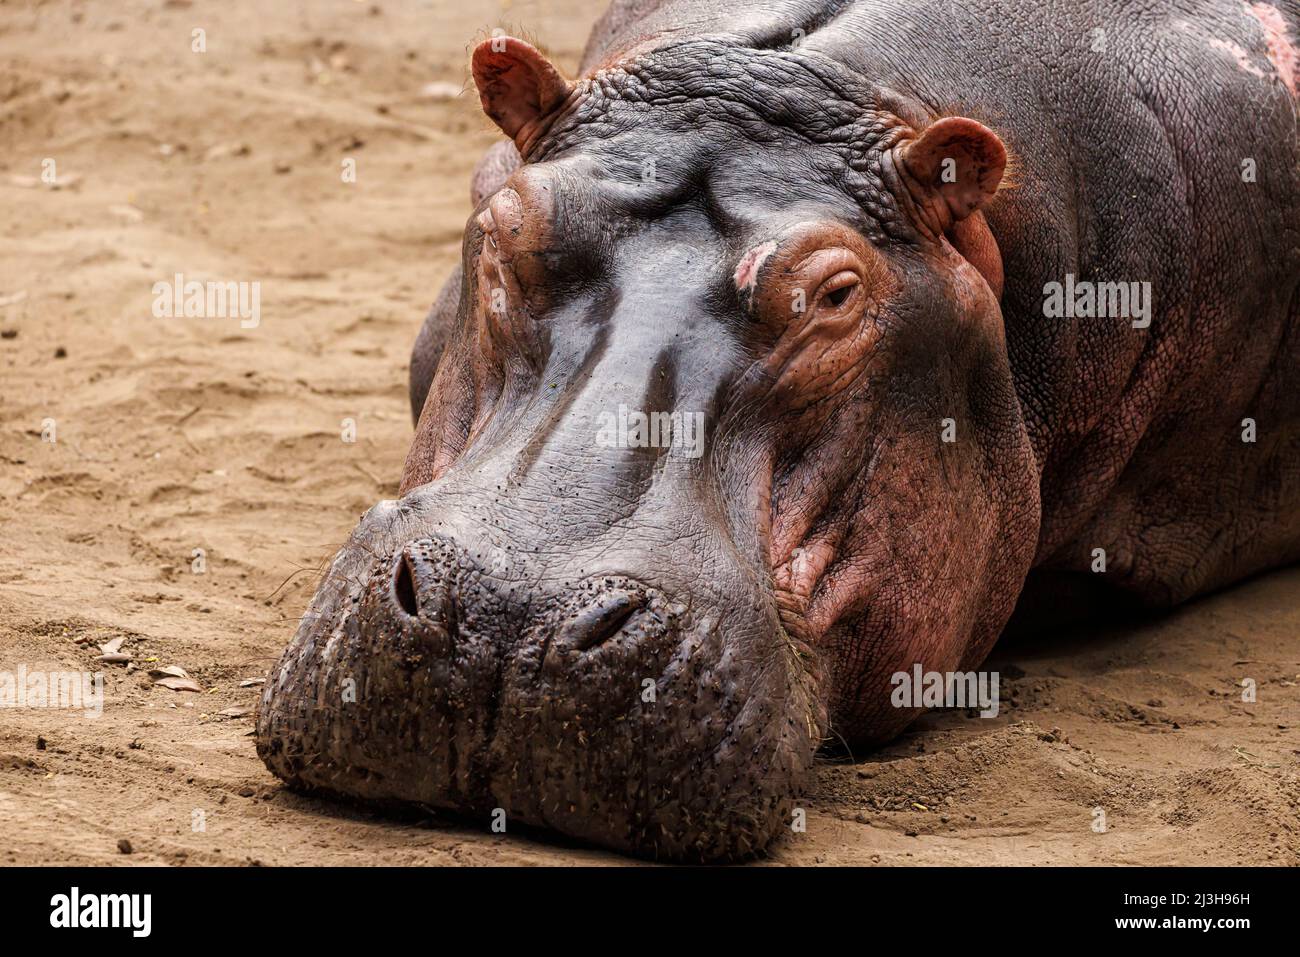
(646, 650)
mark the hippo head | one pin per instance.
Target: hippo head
(724, 437)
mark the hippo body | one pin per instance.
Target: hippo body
(983, 304)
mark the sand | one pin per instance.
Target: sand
(177, 434)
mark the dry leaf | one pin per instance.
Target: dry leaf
(128, 212)
(440, 90)
(170, 671)
(112, 647)
(179, 684)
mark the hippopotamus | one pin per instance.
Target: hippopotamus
(796, 344)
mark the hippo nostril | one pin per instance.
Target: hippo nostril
(601, 620)
(404, 588)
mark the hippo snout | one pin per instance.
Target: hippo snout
(598, 706)
(416, 590)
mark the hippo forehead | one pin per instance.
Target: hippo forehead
(766, 95)
(769, 126)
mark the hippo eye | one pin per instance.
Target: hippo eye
(839, 290)
(837, 297)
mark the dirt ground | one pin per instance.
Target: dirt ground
(179, 434)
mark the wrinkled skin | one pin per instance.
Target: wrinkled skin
(645, 649)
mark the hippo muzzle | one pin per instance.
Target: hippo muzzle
(443, 670)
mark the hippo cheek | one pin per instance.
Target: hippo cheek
(607, 712)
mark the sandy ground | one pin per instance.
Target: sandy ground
(181, 434)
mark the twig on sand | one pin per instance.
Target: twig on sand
(368, 474)
(1252, 759)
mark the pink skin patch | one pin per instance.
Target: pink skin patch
(751, 263)
(1238, 54)
(1281, 51)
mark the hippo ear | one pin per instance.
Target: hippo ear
(959, 159)
(516, 84)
